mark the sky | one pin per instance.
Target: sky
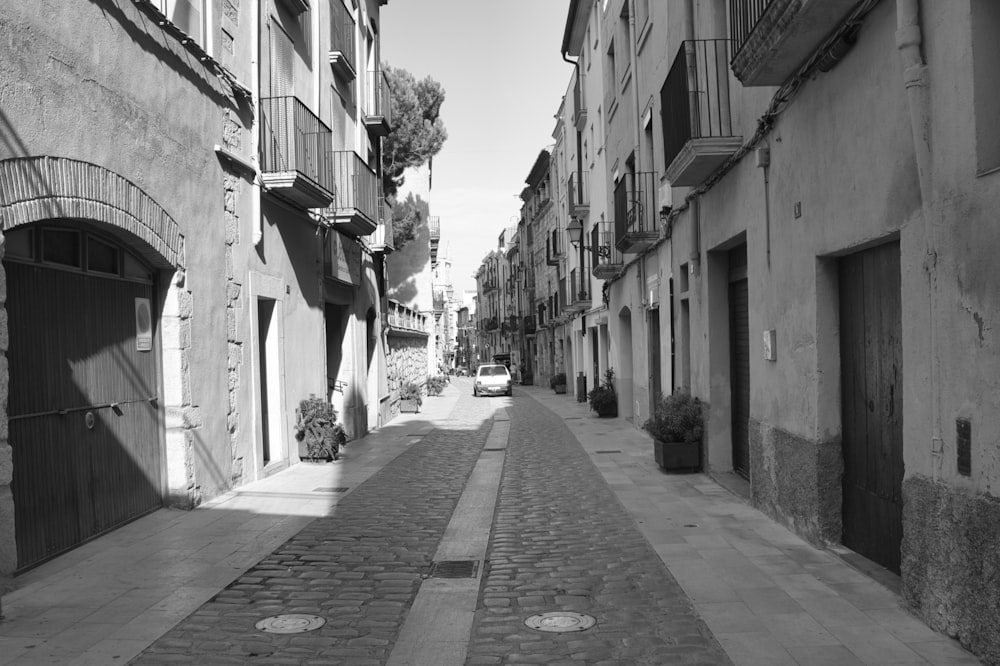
(500, 65)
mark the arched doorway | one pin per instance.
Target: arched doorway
(85, 255)
(623, 373)
(84, 406)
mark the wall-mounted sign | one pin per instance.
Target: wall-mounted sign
(343, 258)
(143, 325)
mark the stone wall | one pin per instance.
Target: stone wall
(407, 362)
(951, 563)
(797, 481)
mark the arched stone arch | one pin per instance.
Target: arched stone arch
(39, 188)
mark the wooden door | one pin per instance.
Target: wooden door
(872, 400)
(739, 359)
(83, 428)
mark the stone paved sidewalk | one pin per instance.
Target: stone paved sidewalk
(358, 568)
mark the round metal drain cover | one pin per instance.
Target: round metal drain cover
(290, 623)
(560, 621)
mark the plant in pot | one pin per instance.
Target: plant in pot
(320, 436)
(677, 426)
(410, 397)
(436, 384)
(558, 382)
(604, 399)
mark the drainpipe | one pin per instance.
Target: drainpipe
(687, 20)
(909, 40)
(255, 208)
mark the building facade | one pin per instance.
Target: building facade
(796, 199)
(193, 242)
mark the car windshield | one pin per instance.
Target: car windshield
(492, 370)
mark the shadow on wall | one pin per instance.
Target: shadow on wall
(406, 264)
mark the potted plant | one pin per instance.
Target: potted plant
(558, 382)
(677, 426)
(410, 397)
(436, 384)
(604, 399)
(320, 436)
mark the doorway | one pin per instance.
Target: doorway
(872, 403)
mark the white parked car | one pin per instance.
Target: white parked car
(492, 380)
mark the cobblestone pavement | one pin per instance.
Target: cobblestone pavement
(562, 542)
(359, 568)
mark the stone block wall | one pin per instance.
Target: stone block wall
(951, 562)
(797, 481)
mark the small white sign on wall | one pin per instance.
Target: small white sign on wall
(143, 325)
(769, 345)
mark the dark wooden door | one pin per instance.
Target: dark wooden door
(872, 400)
(739, 358)
(655, 385)
(73, 354)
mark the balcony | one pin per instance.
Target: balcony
(492, 324)
(378, 104)
(565, 305)
(636, 212)
(579, 286)
(579, 106)
(772, 38)
(356, 205)
(294, 145)
(697, 124)
(342, 29)
(489, 286)
(405, 322)
(606, 259)
(579, 194)
(380, 240)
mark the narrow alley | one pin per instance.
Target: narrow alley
(438, 538)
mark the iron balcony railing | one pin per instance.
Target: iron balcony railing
(579, 286)
(743, 18)
(579, 193)
(434, 227)
(356, 186)
(378, 100)
(529, 325)
(606, 259)
(342, 31)
(294, 139)
(695, 98)
(635, 210)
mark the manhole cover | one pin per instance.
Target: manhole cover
(290, 623)
(560, 622)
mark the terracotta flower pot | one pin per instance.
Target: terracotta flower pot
(409, 406)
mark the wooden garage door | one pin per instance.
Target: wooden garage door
(872, 402)
(84, 425)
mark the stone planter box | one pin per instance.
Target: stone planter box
(677, 455)
(409, 406)
(608, 412)
(560, 388)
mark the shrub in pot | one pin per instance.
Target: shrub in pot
(410, 397)
(317, 430)
(677, 426)
(558, 382)
(436, 384)
(603, 399)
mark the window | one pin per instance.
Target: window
(61, 246)
(986, 70)
(65, 247)
(188, 15)
(641, 15)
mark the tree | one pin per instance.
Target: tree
(418, 131)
